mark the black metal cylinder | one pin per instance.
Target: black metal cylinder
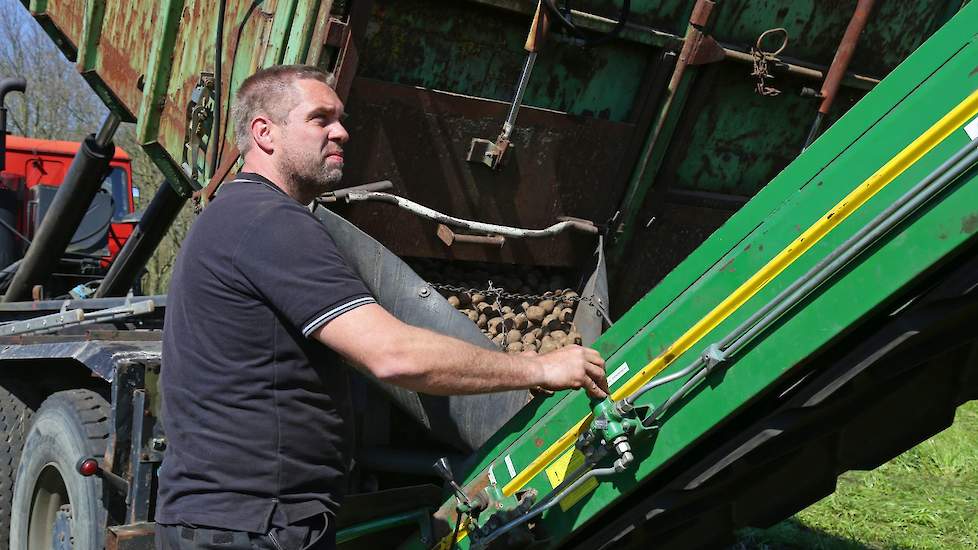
(83, 180)
(7, 85)
(3, 138)
(141, 245)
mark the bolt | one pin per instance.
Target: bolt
(424, 292)
(159, 443)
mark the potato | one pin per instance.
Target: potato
(535, 314)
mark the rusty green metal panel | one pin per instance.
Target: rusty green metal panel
(148, 127)
(144, 59)
(301, 32)
(472, 50)
(275, 51)
(91, 33)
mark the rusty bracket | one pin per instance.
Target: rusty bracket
(133, 536)
(699, 48)
(488, 152)
(200, 117)
(450, 237)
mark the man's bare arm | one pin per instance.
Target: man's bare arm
(422, 360)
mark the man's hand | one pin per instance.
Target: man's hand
(573, 367)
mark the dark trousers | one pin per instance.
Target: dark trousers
(315, 533)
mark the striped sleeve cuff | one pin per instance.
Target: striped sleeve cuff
(318, 322)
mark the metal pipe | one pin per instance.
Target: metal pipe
(140, 246)
(7, 85)
(514, 107)
(650, 160)
(770, 312)
(81, 183)
(801, 69)
(840, 63)
(843, 55)
(104, 136)
(480, 227)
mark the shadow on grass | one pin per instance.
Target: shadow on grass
(793, 534)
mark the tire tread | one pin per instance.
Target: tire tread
(15, 419)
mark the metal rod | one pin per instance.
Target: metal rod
(142, 243)
(479, 227)
(801, 69)
(647, 167)
(843, 55)
(107, 131)
(840, 64)
(75, 317)
(514, 108)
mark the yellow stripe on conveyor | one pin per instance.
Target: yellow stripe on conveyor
(897, 165)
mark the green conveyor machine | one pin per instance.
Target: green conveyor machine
(784, 196)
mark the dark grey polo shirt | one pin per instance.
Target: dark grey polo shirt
(257, 414)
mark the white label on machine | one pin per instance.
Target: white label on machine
(509, 466)
(492, 476)
(619, 372)
(972, 129)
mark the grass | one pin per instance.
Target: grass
(926, 498)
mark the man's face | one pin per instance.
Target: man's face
(311, 139)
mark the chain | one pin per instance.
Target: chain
(761, 59)
(500, 293)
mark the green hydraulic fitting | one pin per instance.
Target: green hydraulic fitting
(607, 423)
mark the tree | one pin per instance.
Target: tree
(59, 104)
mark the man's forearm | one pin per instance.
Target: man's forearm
(432, 363)
(425, 361)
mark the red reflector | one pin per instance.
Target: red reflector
(88, 467)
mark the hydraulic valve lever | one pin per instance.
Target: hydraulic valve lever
(444, 470)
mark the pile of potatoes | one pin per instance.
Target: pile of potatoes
(542, 324)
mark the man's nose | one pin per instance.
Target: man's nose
(338, 133)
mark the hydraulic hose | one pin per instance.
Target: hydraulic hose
(589, 38)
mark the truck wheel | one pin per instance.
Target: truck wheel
(54, 506)
(17, 404)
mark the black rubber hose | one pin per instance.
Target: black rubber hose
(218, 54)
(590, 39)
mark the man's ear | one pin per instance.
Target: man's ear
(261, 134)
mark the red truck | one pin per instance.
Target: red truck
(34, 170)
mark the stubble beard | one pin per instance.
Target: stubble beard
(310, 176)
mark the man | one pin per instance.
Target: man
(255, 402)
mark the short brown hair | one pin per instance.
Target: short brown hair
(270, 92)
